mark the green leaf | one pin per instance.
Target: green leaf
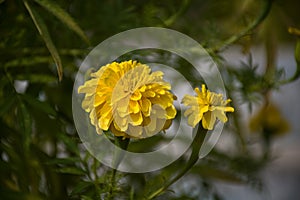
(42, 28)
(71, 170)
(6, 104)
(36, 78)
(81, 186)
(63, 17)
(63, 161)
(25, 122)
(70, 143)
(84, 197)
(42, 106)
(27, 61)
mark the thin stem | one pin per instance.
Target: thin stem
(182, 8)
(120, 144)
(95, 162)
(237, 124)
(297, 58)
(112, 184)
(196, 145)
(251, 26)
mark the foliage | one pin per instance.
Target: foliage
(42, 42)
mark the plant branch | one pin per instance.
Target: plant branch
(120, 144)
(196, 145)
(297, 72)
(249, 28)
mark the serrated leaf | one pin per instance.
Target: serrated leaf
(42, 106)
(80, 187)
(70, 144)
(63, 161)
(84, 197)
(71, 170)
(25, 122)
(42, 28)
(63, 17)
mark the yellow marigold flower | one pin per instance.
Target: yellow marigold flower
(269, 120)
(129, 100)
(206, 106)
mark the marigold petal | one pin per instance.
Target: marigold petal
(104, 122)
(229, 109)
(189, 111)
(115, 131)
(208, 121)
(171, 112)
(145, 105)
(136, 119)
(88, 87)
(105, 117)
(136, 96)
(206, 106)
(164, 101)
(167, 124)
(93, 117)
(134, 107)
(198, 91)
(135, 131)
(152, 125)
(121, 123)
(149, 93)
(105, 110)
(160, 91)
(193, 120)
(221, 116)
(98, 100)
(122, 105)
(120, 97)
(158, 111)
(86, 104)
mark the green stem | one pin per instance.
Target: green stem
(112, 184)
(94, 166)
(297, 58)
(182, 8)
(196, 145)
(249, 28)
(120, 144)
(237, 124)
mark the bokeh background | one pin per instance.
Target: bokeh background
(255, 44)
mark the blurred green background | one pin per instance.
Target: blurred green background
(42, 44)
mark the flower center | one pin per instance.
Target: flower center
(130, 82)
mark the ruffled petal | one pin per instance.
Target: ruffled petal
(129, 100)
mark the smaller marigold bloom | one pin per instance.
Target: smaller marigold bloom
(206, 106)
(129, 100)
(269, 120)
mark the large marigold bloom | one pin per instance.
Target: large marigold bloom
(129, 100)
(206, 106)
